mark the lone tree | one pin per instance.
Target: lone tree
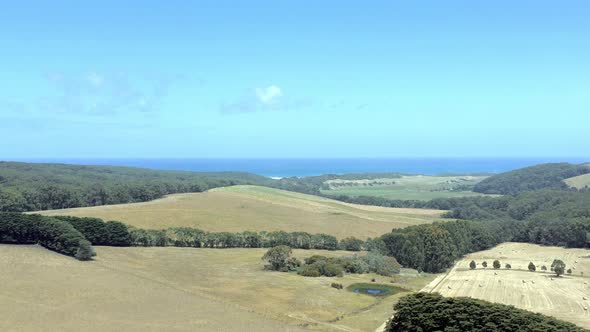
(277, 258)
(496, 264)
(532, 267)
(484, 264)
(558, 266)
(472, 265)
(508, 266)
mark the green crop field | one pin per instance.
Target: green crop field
(414, 187)
(182, 289)
(241, 208)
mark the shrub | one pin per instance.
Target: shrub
(544, 268)
(351, 244)
(484, 264)
(293, 263)
(382, 265)
(332, 270)
(472, 265)
(309, 271)
(508, 266)
(569, 271)
(336, 285)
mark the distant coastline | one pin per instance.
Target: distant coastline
(282, 167)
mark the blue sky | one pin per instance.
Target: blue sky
(294, 79)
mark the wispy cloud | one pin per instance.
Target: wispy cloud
(269, 94)
(105, 93)
(270, 98)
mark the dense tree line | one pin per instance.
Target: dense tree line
(547, 217)
(114, 233)
(192, 237)
(432, 312)
(32, 187)
(543, 176)
(51, 233)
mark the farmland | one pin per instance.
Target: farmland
(414, 187)
(538, 291)
(181, 289)
(241, 208)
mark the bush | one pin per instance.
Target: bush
(508, 266)
(351, 244)
(309, 271)
(472, 265)
(382, 265)
(332, 270)
(337, 285)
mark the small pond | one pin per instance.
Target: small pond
(374, 289)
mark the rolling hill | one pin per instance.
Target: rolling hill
(241, 208)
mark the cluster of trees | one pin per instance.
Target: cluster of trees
(433, 312)
(435, 247)
(51, 233)
(32, 187)
(279, 259)
(531, 178)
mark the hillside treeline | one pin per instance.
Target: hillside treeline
(547, 217)
(33, 187)
(433, 312)
(543, 176)
(51, 233)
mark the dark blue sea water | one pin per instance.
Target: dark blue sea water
(307, 167)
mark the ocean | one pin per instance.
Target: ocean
(314, 166)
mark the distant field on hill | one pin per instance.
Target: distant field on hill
(561, 297)
(181, 289)
(241, 208)
(407, 187)
(580, 181)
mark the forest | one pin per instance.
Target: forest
(32, 187)
(433, 312)
(544, 176)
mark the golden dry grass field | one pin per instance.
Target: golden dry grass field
(541, 292)
(579, 182)
(180, 289)
(241, 208)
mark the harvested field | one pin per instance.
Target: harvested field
(538, 291)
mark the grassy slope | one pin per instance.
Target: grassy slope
(179, 289)
(579, 181)
(410, 187)
(241, 208)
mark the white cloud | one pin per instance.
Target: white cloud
(269, 94)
